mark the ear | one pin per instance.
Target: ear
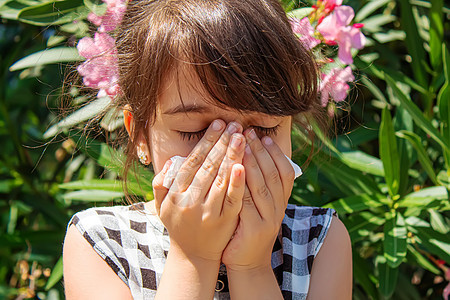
(128, 120)
(142, 151)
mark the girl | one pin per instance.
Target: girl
(218, 81)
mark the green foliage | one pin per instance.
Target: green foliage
(386, 171)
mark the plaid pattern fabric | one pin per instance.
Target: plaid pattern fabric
(135, 245)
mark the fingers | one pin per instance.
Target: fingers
(218, 190)
(197, 156)
(160, 191)
(235, 192)
(259, 192)
(285, 169)
(208, 175)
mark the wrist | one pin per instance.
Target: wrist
(177, 254)
(249, 270)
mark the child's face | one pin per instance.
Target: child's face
(176, 131)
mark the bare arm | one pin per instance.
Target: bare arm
(254, 284)
(86, 274)
(331, 275)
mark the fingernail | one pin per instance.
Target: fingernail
(247, 149)
(235, 142)
(217, 125)
(268, 141)
(252, 134)
(232, 128)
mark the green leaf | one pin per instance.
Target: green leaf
(356, 203)
(373, 24)
(404, 121)
(387, 277)
(52, 13)
(414, 42)
(389, 153)
(91, 110)
(300, 13)
(416, 113)
(56, 275)
(364, 162)
(93, 195)
(369, 9)
(362, 224)
(424, 160)
(437, 243)
(380, 71)
(425, 197)
(422, 261)
(48, 56)
(444, 106)
(437, 222)
(436, 34)
(96, 8)
(361, 274)
(395, 240)
(444, 179)
(101, 184)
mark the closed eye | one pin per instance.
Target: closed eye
(197, 135)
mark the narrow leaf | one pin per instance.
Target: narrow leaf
(356, 203)
(48, 56)
(436, 34)
(56, 275)
(443, 100)
(395, 240)
(387, 277)
(85, 113)
(424, 160)
(416, 113)
(389, 153)
(93, 195)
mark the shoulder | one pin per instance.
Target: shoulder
(307, 225)
(331, 273)
(97, 247)
(86, 274)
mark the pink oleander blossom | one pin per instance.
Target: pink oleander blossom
(334, 84)
(305, 31)
(112, 17)
(446, 292)
(335, 28)
(100, 70)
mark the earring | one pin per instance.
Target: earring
(142, 157)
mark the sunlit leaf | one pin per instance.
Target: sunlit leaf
(395, 240)
(48, 56)
(56, 275)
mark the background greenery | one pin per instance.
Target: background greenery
(386, 171)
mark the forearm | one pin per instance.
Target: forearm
(258, 283)
(185, 278)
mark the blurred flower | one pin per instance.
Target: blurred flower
(115, 9)
(335, 28)
(446, 292)
(334, 84)
(100, 69)
(305, 31)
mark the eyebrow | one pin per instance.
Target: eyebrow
(190, 108)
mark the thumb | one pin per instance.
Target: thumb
(159, 190)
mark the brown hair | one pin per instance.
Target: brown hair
(244, 53)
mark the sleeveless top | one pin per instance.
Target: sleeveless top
(134, 243)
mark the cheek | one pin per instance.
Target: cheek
(164, 145)
(283, 140)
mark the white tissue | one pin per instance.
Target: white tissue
(177, 161)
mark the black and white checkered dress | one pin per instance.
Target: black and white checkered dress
(135, 245)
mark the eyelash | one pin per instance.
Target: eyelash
(263, 131)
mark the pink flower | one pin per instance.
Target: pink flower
(446, 292)
(305, 31)
(100, 70)
(335, 28)
(334, 84)
(330, 5)
(115, 9)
